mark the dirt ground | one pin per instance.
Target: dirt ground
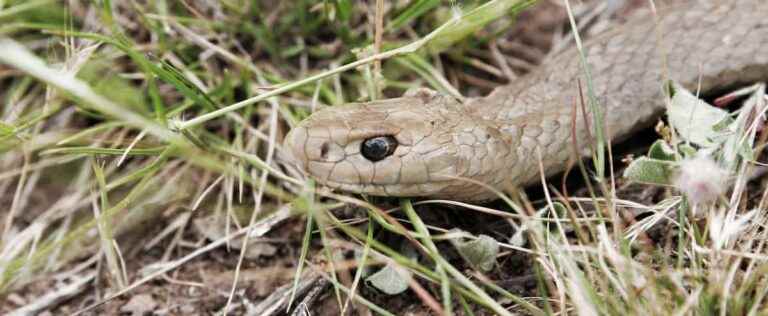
(202, 285)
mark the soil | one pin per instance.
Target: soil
(202, 286)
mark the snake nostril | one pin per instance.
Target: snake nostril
(324, 150)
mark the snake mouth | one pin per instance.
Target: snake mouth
(392, 190)
(294, 144)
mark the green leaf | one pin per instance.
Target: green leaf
(414, 10)
(343, 9)
(660, 150)
(695, 120)
(480, 253)
(390, 280)
(687, 150)
(723, 125)
(559, 209)
(6, 129)
(77, 150)
(172, 75)
(474, 20)
(647, 170)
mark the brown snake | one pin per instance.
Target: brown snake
(429, 144)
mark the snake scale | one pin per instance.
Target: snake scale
(429, 144)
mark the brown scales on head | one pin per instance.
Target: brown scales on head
(441, 142)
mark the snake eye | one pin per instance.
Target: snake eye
(378, 148)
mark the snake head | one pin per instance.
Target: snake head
(416, 145)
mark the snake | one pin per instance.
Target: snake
(433, 145)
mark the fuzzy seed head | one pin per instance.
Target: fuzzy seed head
(701, 179)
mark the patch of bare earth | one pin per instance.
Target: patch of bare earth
(202, 286)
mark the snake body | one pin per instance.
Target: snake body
(446, 148)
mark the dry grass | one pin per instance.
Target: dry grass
(140, 144)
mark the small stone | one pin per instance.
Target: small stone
(139, 305)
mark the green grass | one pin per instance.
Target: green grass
(122, 117)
